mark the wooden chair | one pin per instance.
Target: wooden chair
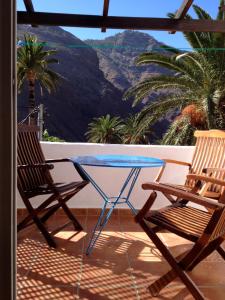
(34, 179)
(206, 229)
(208, 159)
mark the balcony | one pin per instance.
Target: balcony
(124, 262)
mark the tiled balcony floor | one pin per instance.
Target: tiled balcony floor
(122, 265)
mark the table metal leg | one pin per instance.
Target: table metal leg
(104, 217)
(96, 234)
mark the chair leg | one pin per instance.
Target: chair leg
(77, 225)
(35, 211)
(177, 269)
(221, 252)
(144, 210)
(45, 232)
(214, 245)
(33, 216)
(50, 213)
(163, 281)
(67, 211)
(24, 223)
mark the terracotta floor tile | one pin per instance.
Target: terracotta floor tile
(214, 293)
(141, 248)
(214, 258)
(109, 291)
(176, 244)
(146, 272)
(71, 242)
(173, 240)
(103, 273)
(46, 292)
(26, 252)
(110, 244)
(122, 265)
(178, 292)
(113, 223)
(128, 222)
(30, 281)
(26, 233)
(61, 219)
(56, 266)
(127, 219)
(172, 292)
(209, 273)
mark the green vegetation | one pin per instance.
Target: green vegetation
(33, 67)
(132, 132)
(113, 130)
(195, 89)
(48, 138)
(105, 129)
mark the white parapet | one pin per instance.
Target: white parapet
(111, 179)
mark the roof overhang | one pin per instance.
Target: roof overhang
(179, 23)
(90, 21)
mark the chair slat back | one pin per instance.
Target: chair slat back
(209, 152)
(29, 152)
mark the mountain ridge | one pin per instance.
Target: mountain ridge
(117, 55)
(89, 89)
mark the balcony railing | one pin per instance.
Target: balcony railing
(111, 179)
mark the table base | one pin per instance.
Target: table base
(111, 202)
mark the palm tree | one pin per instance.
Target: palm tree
(180, 132)
(105, 129)
(33, 67)
(197, 79)
(132, 132)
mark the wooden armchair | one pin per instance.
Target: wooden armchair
(34, 179)
(208, 159)
(206, 229)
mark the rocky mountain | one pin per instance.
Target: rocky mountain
(95, 75)
(117, 56)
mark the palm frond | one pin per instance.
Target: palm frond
(32, 57)
(180, 132)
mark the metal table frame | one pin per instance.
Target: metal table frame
(123, 197)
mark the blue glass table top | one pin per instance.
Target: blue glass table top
(118, 161)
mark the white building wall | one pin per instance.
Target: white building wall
(111, 179)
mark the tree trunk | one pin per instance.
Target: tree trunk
(31, 97)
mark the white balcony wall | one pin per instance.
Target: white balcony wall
(111, 179)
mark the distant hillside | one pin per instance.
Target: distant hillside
(117, 56)
(95, 77)
(84, 93)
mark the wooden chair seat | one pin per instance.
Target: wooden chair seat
(61, 187)
(179, 220)
(66, 188)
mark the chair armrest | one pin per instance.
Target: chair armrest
(36, 166)
(203, 201)
(170, 161)
(57, 160)
(177, 162)
(77, 167)
(207, 179)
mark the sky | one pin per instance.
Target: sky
(129, 8)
